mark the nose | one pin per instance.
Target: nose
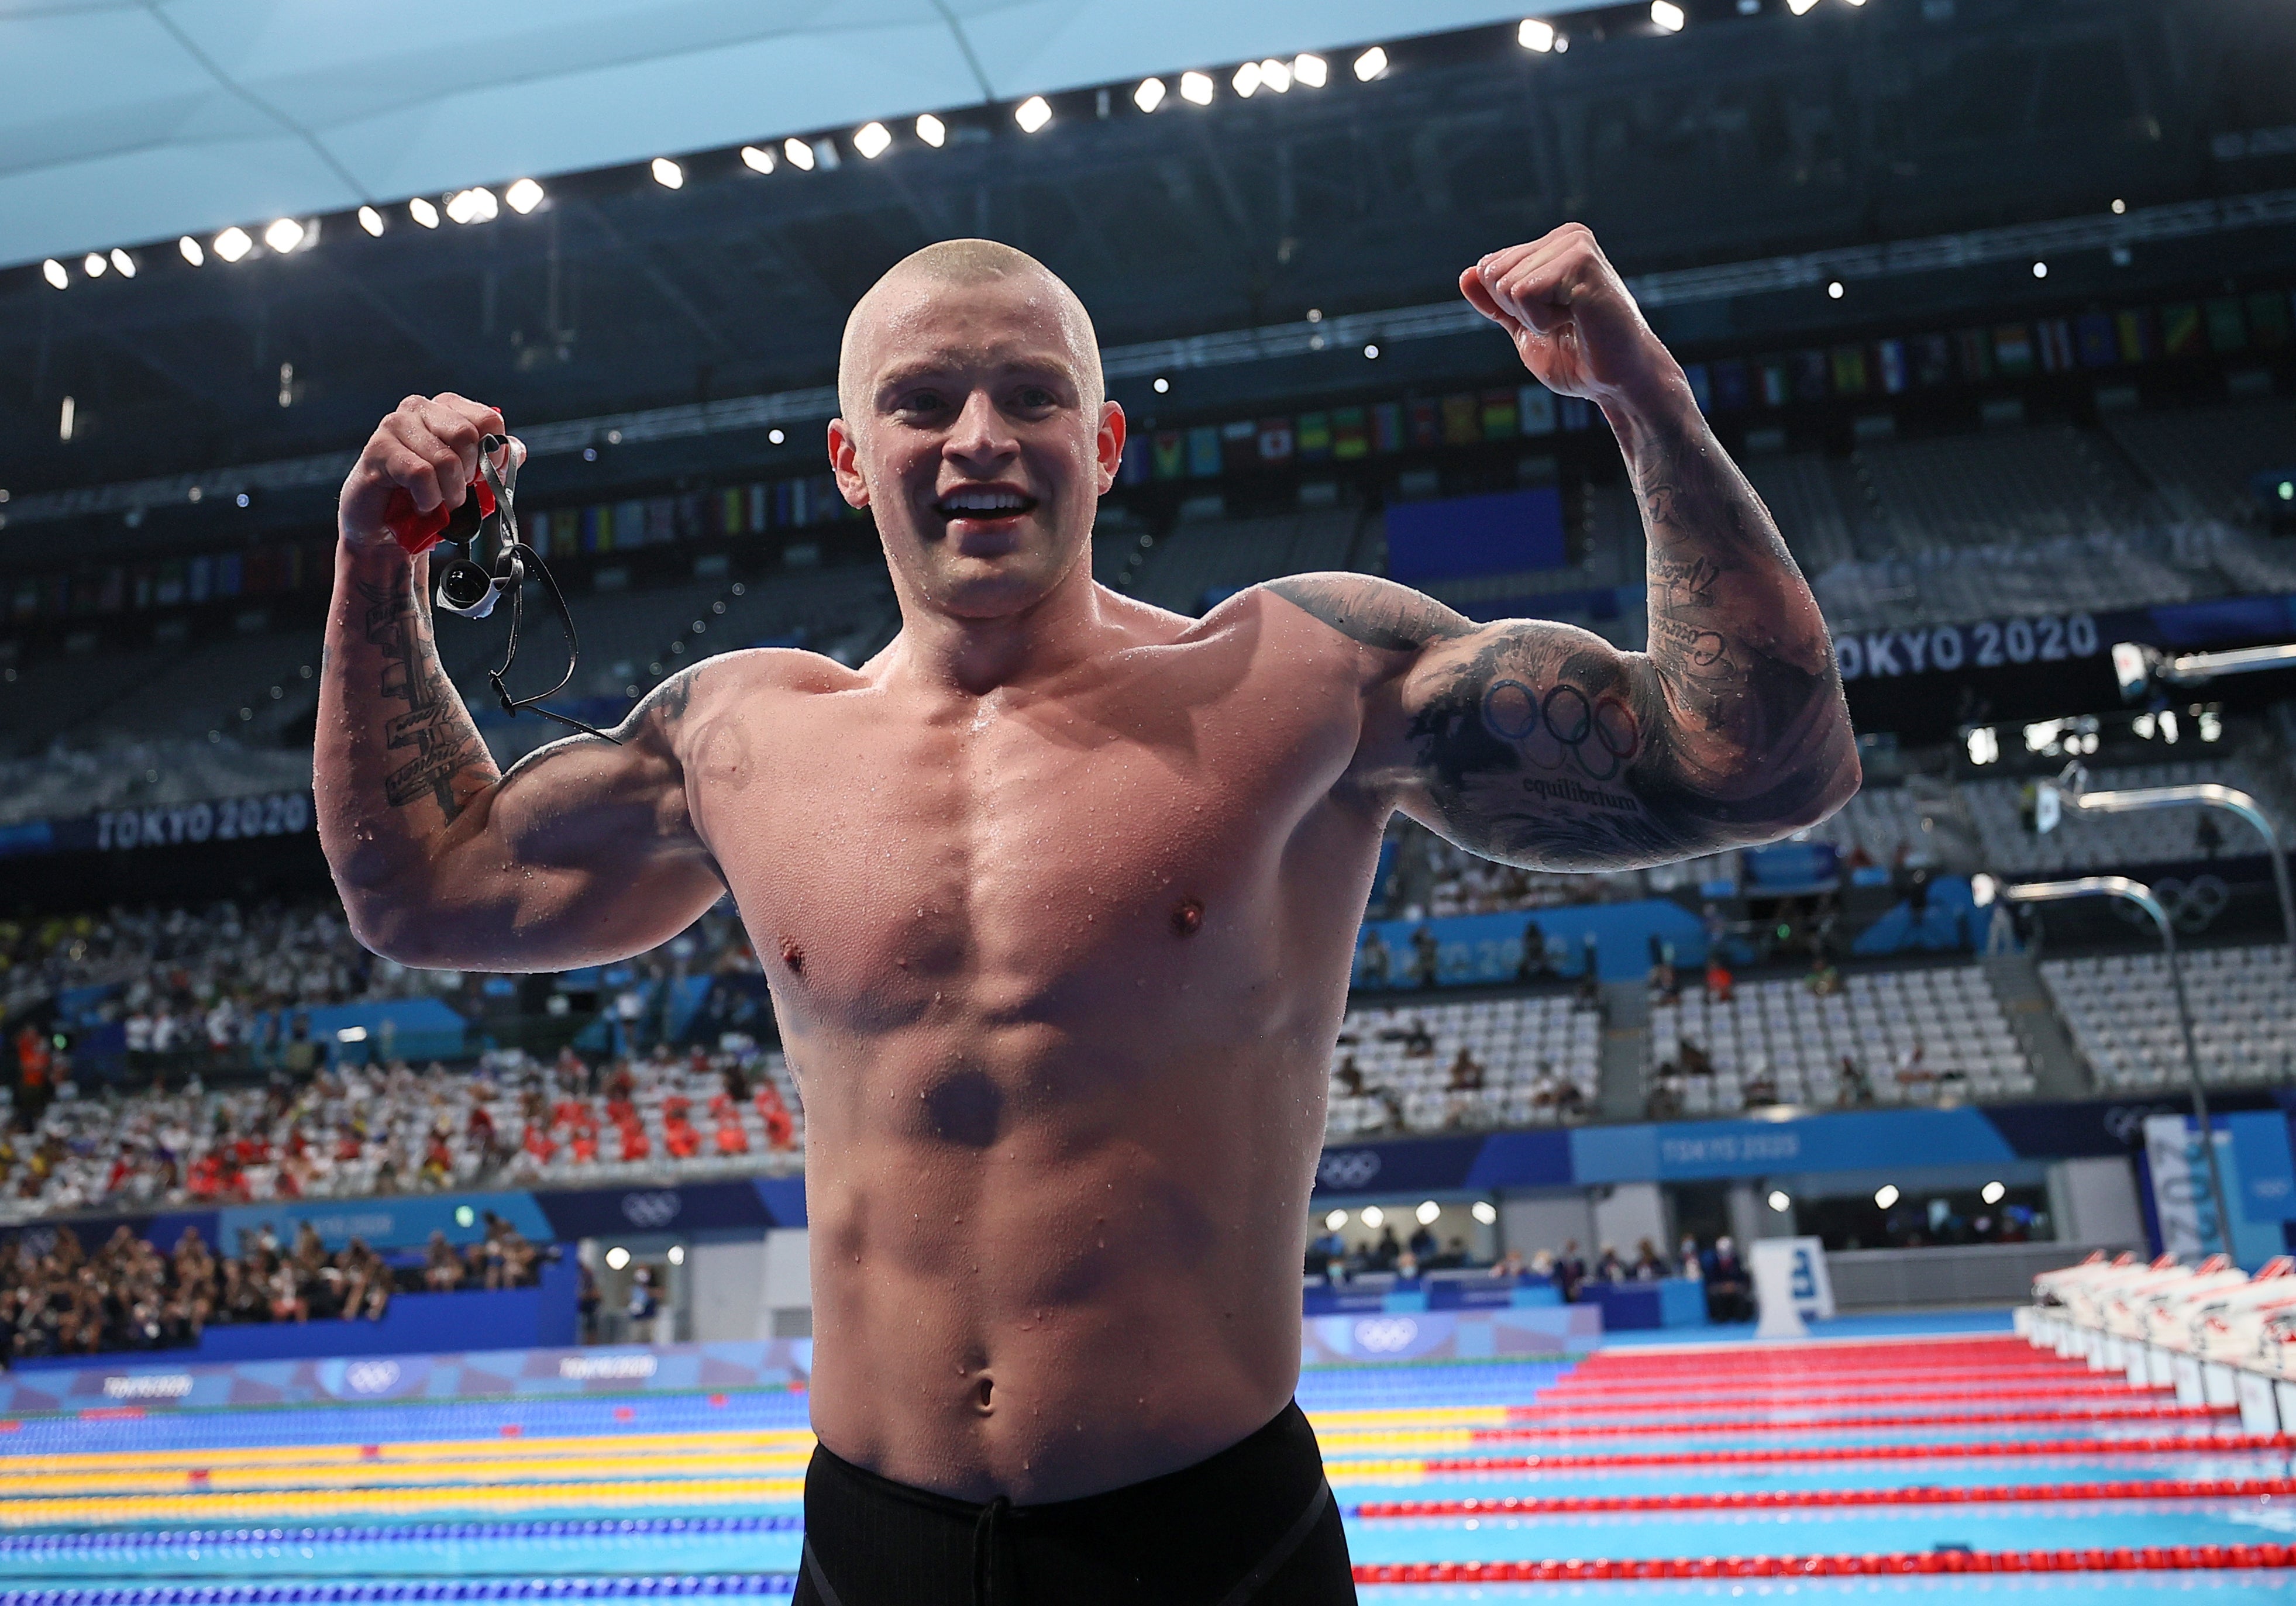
(980, 440)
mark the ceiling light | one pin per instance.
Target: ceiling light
(125, 263)
(1535, 35)
(799, 154)
(1886, 1195)
(1780, 1201)
(2118, 206)
(1486, 1212)
(1800, 7)
(52, 271)
(667, 173)
(93, 264)
(422, 212)
(1373, 1216)
(1312, 70)
(1246, 82)
(756, 160)
(1668, 16)
(775, 436)
(1333, 1220)
(191, 250)
(1149, 94)
(284, 235)
(617, 1258)
(2040, 270)
(473, 206)
(1163, 385)
(523, 196)
(371, 221)
(1372, 352)
(1196, 88)
(932, 130)
(1428, 1211)
(1993, 1193)
(232, 244)
(1833, 290)
(66, 417)
(873, 140)
(678, 1254)
(1275, 76)
(1371, 63)
(1033, 113)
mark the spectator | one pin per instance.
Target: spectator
(1729, 1286)
(1426, 956)
(1718, 980)
(1610, 1266)
(1687, 1258)
(1569, 1270)
(1649, 1266)
(1510, 1265)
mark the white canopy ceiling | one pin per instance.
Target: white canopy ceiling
(123, 121)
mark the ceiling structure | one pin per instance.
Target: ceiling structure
(124, 122)
(1740, 141)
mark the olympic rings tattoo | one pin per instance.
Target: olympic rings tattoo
(1564, 724)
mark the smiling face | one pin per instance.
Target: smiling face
(974, 429)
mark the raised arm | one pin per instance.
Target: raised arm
(1543, 745)
(584, 852)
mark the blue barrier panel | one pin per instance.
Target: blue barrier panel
(1431, 1335)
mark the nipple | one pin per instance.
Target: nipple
(1187, 917)
(793, 956)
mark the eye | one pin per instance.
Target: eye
(1036, 398)
(923, 401)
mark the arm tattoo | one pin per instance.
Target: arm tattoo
(1540, 744)
(1393, 618)
(435, 725)
(667, 704)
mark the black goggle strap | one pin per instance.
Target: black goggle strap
(515, 559)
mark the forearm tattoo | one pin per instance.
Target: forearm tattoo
(435, 725)
(1542, 745)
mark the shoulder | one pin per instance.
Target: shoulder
(1368, 611)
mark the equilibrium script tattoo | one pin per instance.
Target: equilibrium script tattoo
(435, 724)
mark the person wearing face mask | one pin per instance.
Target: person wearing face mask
(1057, 897)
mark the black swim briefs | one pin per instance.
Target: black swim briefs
(1255, 1524)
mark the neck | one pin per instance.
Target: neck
(976, 656)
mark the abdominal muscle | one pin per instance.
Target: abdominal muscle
(1094, 1282)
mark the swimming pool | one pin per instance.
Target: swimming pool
(1825, 1470)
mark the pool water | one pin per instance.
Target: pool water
(1829, 1471)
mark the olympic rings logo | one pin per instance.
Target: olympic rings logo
(651, 1210)
(370, 1377)
(1565, 724)
(1348, 1169)
(1384, 1335)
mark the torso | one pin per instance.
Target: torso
(1058, 972)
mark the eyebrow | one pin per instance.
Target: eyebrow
(933, 364)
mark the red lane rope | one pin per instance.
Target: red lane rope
(1819, 1424)
(2183, 1444)
(1679, 1407)
(1878, 1392)
(1763, 1500)
(2152, 1557)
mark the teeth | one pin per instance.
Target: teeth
(984, 502)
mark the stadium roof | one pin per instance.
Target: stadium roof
(124, 123)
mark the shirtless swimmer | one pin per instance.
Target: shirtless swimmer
(1057, 895)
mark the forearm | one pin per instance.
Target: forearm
(1738, 648)
(398, 757)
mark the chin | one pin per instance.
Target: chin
(985, 588)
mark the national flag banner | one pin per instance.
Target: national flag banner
(2056, 340)
(2013, 348)
(1933, 360)
(2267, 320)
(1776, 391)
(1426, 422)
(2133, 330)
(1891, 358)
(1387, 427)
(1277, 440)
(1134, 468)
(1730, 392)
(1973, 352)
(2093, 334)
(2180, 329)
(1204, 451)
(729, 511)
(1534, 409)
(2227, 330)
(1239, 440)
(1315, 437)
(1498, 414)
(1462, 423)
(1848, 366)
(1813, 375)
(1350, 436)
(1171, 454)
(1577, 414)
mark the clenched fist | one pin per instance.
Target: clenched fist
(1572, 318)
(428, 447)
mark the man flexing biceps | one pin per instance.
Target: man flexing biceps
(1057, 896)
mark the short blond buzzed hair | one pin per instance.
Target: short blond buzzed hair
(973, 262)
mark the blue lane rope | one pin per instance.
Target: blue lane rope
(406, 1590)
(565, 1528)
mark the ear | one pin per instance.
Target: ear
(844, 462)
(1109, 447)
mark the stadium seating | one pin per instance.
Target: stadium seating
(1913, 1035)
(1538, 1060)
(2087, 841)
(2201, 460)
(2121, 1012)
(1199, 561)
(1798, 489)
(1966, 490)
